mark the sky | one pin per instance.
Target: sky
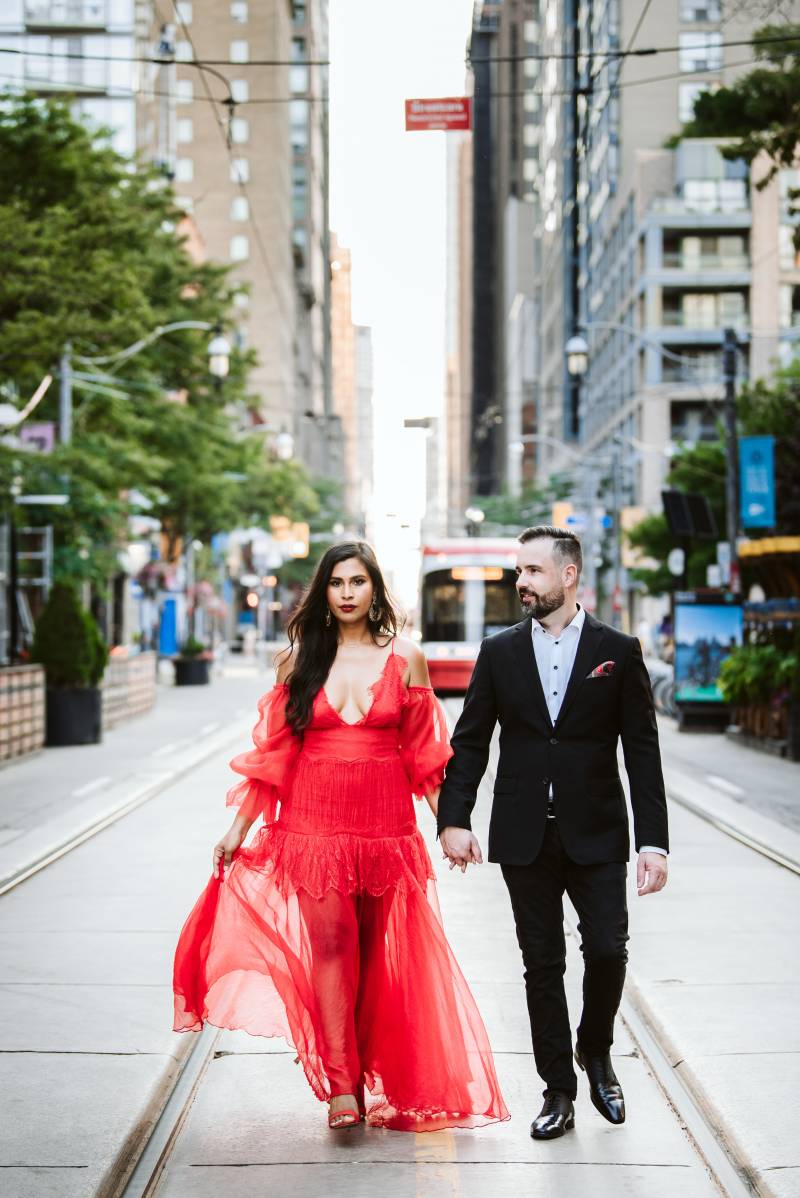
(388, 205)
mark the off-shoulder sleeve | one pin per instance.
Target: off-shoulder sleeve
(424, 741)
(267, 768)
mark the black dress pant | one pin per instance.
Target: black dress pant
(598, 894)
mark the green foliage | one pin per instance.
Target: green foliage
(759, 110)
(192, 647)
(93, 256)
(68, 643)
(507, 515)
(750, 674)
(763, 409)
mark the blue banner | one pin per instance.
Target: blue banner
(757, 482)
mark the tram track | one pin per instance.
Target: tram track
(138, 1174)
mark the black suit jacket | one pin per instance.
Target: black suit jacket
(578, 754)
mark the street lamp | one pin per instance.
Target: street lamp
(219, 354)
(474, 517)
(577, 351)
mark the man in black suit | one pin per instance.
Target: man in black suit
(563, 687)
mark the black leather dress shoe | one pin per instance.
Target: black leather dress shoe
(556, 1116)
(606, 1091)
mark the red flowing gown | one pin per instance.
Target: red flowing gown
(326, 928)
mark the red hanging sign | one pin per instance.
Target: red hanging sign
(451, 113)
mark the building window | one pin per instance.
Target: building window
(299, 13)
(701, 10)
(239, 12)
(183, 51)
(298, 75)
(184, 10)
(240, 130)
(240, 248)
(184, 91)
(687, 94)
(298, 124)
(241, 300)
(700, 52)
(184, 170)
(240, 50)
(240, 170)
(715, 195)
(185, 129)
(789, 255)
(692, 422)
(240, 208)
(240, 90)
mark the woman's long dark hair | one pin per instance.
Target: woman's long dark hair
(317, 641)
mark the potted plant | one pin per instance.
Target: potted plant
(68, 644)
(192, 665)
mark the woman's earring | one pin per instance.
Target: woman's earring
(328, 618)
(374, 613)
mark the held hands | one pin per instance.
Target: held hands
(651, 873)
(460, 848)
(225, 848)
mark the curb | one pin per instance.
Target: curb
(727, 1140)
(65, 841)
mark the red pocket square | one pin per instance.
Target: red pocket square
(603, 670)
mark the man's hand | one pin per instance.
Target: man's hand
(651, 873)
(460, 847)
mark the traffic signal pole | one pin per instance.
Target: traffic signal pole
(729, 363)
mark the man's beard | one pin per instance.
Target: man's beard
(540, 606)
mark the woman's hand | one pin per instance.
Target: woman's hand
(225, 848)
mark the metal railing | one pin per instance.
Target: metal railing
(66, 14)
(697, 262)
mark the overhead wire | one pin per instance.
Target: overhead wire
(237, 178)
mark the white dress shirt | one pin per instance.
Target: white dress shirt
(555, 658)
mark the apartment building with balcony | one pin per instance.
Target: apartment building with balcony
(85, 48)
(670, 246)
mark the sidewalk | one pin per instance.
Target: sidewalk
(767, 785)
(87, 1054)
(49, 797)
(87, 1057)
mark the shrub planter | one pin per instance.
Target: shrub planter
(74, 717)
(192, 671)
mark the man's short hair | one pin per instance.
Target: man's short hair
(566, 546)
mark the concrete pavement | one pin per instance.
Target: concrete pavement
(86, 1054)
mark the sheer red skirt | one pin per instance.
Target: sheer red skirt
(326, 929)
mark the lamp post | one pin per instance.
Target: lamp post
(577, 357)
(219, 352)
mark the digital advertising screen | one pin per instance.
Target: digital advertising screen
(705, 633)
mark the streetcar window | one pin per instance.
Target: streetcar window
(468, 608)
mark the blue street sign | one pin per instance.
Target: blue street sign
(757, 482)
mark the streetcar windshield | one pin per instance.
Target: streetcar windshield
(468, 603)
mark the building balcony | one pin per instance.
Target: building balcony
(674, 319)
(62, 16)
(75, 76)
(705, 262)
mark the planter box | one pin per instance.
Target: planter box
(74, 717)
(192, 671)
(22, 711)
(129, 687)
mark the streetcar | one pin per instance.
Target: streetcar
(467, 591)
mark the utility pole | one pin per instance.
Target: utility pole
(616, 482)
(729, 363)
(65, 397)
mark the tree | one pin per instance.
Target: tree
(762, 409)
(94, 257)
(761, 110)
(507, 515)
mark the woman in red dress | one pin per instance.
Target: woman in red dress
(325, 929)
